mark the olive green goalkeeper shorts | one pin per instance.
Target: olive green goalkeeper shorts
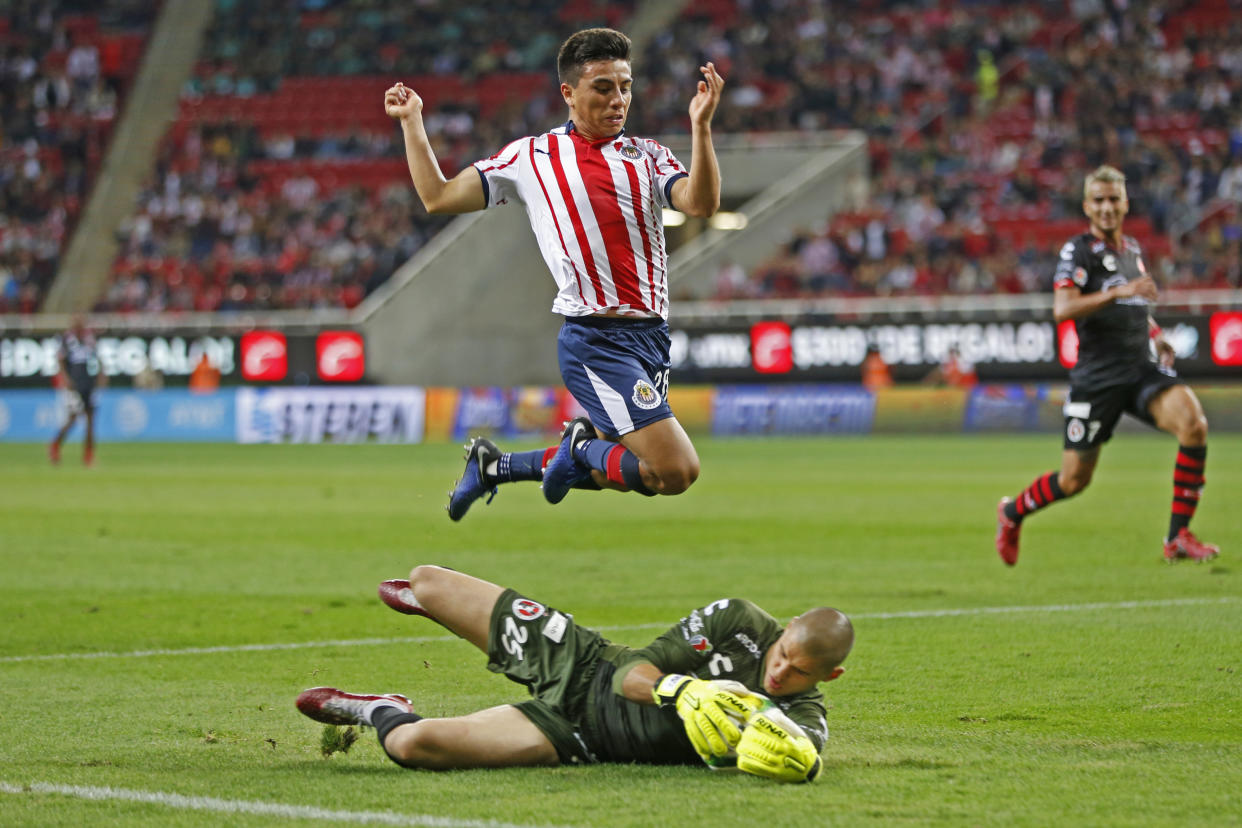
(542, 648)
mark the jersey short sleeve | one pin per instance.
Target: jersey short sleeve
(500, 173)
(1071, 266)
(667, 168)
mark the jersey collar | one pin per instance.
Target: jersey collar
(572, 131)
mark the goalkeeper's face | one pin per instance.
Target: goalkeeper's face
(788, 670)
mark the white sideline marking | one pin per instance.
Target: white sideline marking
(426, 639)
(241, 806)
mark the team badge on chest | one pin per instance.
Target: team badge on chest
(645, 395)
(699, 643)
(630, 152)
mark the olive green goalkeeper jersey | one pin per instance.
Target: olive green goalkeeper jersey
(726, 639)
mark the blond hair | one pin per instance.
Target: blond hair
(1107, 175)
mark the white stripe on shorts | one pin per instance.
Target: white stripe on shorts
(612, 402)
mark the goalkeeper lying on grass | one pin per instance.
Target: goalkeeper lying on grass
(726, 686)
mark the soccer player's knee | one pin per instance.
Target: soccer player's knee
(425, 580)
(412, 745)
(678, 478)
(1196, 433)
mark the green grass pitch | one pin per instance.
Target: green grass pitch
(1090, 685)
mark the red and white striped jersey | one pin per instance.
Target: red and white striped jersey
(596, 209)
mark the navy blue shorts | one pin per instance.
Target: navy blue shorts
(617, 369)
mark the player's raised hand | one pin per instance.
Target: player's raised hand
(703, 104)
(401, 102)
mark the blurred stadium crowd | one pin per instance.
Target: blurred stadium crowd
(282, 184)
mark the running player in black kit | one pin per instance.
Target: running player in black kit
(1102, 284)
(77, 352)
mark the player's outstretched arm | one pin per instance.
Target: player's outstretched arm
(461, 194)
(699, 194)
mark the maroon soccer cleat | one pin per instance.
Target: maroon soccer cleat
(1006, 533)
(1185, 546)
(53, 453)
(336, 707)
(398, 595)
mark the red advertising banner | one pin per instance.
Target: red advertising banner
(264, 356)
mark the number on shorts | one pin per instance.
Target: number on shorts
(660, 381)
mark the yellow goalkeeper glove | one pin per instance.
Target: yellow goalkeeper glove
(772, 745)
(710, 711)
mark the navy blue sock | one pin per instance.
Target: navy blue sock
(594, 452)
(520, 465)
(619, 464)
(632, 475)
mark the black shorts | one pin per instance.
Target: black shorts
(80, 400)
(1092, 414)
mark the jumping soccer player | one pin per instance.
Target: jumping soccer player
(594, 197)
(595, 701)
(1102, 284)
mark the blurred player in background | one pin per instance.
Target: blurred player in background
(1124, 365)
(756, 705)
(594, 197)
(955, 371)
(75, 358)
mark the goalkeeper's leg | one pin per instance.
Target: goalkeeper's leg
(459, 602)
(499, 737)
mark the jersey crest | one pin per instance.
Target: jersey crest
(645, 395)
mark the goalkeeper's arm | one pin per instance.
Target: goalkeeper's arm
(710, 711)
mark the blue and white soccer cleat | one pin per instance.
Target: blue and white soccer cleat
(474, 483)
(564, 470)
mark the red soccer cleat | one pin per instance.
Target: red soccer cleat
(1185, 546)
(1006, 533)
(88, 457)
(398, 595)
(336, 707)
(53, 453)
